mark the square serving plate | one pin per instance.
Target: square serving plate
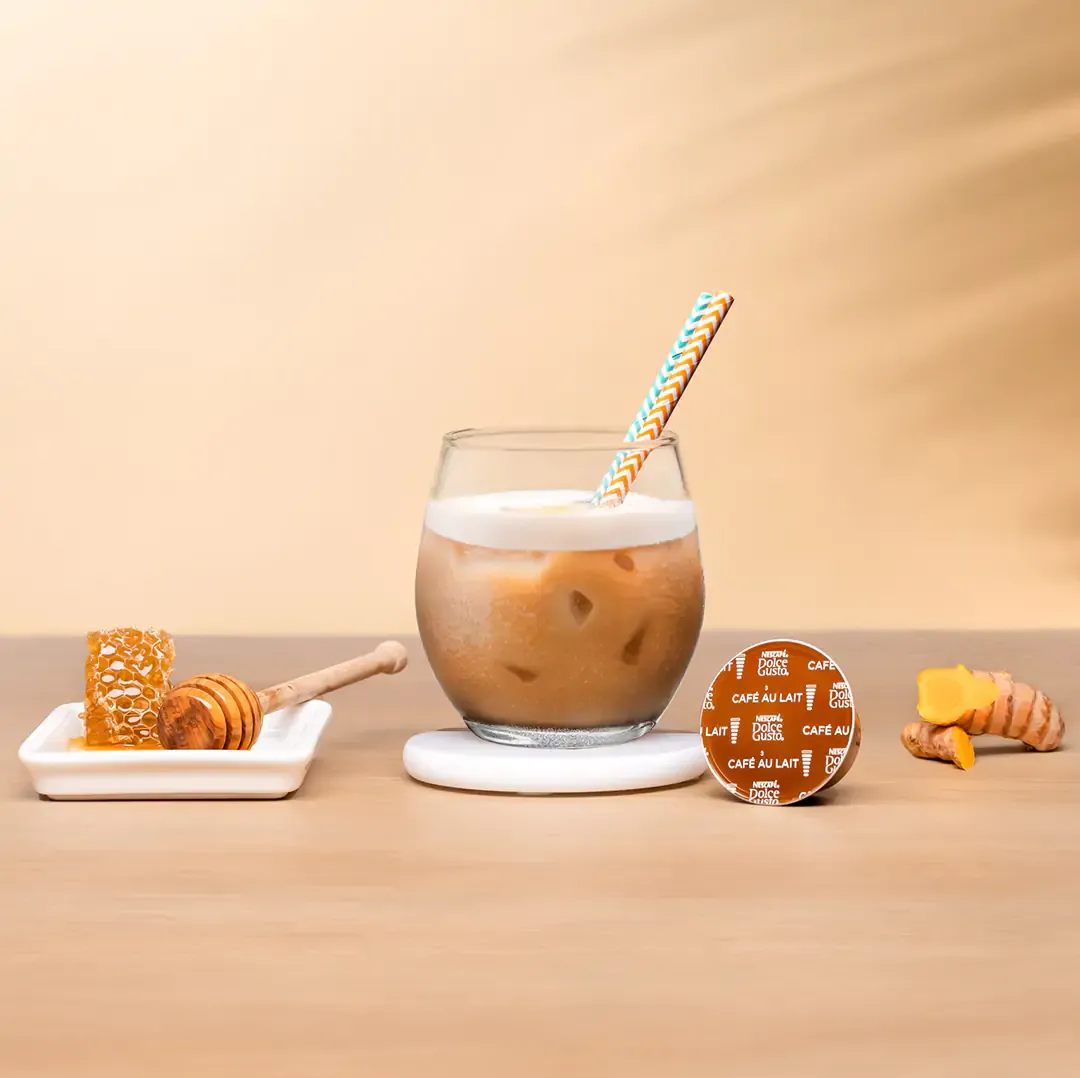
(274, 767)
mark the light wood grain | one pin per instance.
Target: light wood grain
(390, 657)
(217, 711)
(921, 920)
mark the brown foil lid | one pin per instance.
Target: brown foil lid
(778, 723)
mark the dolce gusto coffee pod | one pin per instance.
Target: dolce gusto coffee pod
(779, 724)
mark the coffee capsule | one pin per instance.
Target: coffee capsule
(779, 724)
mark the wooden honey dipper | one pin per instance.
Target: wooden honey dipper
(215, 711)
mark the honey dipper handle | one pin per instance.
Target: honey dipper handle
(388, 658)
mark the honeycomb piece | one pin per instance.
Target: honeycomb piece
(127, 677)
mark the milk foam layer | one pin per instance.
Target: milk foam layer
(558, 520)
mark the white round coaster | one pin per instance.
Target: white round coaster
(460, 759)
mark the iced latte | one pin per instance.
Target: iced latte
(550, 622)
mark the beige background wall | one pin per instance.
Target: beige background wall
(256, 257)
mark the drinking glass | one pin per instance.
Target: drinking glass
(549, 622)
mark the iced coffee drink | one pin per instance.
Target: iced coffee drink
(559, 591)
(549, 622)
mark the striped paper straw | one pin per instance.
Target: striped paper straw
(673, 379)
(665, 370)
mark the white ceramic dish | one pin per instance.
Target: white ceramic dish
(274, 767)
(463, 761)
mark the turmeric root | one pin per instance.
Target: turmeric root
(945, 694)
(990, 703)
(932, 742)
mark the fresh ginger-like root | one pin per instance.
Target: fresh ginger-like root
(930, 742)
(1020, 712)
(947, 694)
(990, 703)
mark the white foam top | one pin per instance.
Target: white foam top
(558, 520)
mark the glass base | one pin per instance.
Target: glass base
(553, 737)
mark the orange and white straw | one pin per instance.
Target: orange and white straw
(676, 374)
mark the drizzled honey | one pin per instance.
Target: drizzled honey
(78, 744)
(127, 677)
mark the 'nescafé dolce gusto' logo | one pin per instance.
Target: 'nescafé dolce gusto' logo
(779, 723)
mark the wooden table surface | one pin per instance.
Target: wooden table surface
(920, 921)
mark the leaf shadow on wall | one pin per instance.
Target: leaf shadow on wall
(981, 259)
(895, 188)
